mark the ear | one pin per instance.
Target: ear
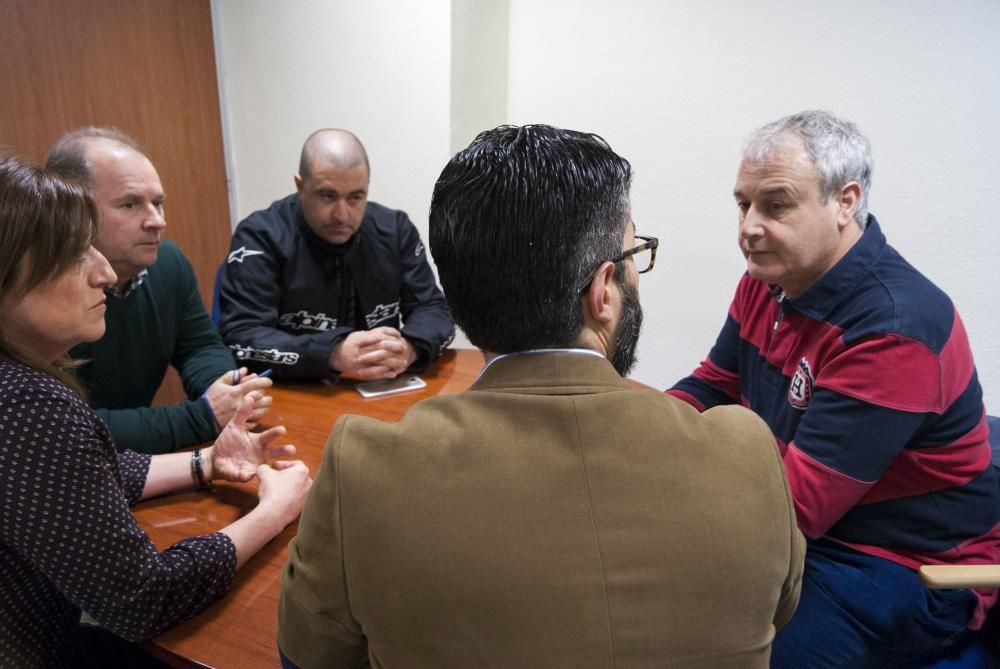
(298, 183)
(849, 198)
(601, 298)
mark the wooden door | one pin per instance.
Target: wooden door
(145, 66)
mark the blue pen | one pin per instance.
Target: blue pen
(236, 374)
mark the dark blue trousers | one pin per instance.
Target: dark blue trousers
(857, 610)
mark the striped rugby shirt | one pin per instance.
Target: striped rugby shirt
(868, 383)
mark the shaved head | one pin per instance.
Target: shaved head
(332, 184)
(334, 147)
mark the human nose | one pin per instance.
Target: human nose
(340, 209)
(154, 218)
(751, 226)
(102, 275)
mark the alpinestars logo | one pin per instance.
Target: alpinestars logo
(242, 353)
(303, 320)
(242, 253)
(800, 390)
(382, 312)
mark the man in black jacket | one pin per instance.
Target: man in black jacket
(317, 283)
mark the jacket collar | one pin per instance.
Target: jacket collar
(820, 298)
(559, 373)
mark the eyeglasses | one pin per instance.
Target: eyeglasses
(643, 255)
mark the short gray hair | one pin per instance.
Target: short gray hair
(836, 148)
(68, 156)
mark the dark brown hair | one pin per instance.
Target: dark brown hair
(46, 225)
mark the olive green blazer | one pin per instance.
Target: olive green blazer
(550, 516)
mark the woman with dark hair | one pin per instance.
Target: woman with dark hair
(68, 541)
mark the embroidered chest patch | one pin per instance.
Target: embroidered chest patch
(801, 388)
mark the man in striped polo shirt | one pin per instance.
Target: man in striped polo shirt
(862, 369)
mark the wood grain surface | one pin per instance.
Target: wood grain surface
(145, 66)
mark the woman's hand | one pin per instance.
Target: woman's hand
(237, 452)
(282, 492)
(283, 487)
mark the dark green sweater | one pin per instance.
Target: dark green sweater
(162, 322)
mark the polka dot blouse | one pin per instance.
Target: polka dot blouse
(68, 541)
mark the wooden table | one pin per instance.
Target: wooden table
(238, 631)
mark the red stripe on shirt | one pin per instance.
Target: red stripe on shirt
(869, 372)
(726, 381)
(782, 446)
(755, 311)
(918, 471)
(821, 495)
(815, 341)
(686, 397)
(956, 363)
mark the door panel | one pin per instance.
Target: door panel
(145, 66)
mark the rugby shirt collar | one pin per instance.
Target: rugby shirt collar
(820, 298)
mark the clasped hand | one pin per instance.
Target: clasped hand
(382, 353)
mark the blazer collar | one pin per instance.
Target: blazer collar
(551, 374)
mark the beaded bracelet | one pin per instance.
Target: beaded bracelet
(198, 471)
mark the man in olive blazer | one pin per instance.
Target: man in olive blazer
(552, 515)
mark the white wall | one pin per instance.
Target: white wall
(479, 58)
(676, 87)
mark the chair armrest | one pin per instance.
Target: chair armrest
(961, 576)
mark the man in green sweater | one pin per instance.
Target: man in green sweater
(155, 316)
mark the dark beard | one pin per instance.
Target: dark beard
(627, 335)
